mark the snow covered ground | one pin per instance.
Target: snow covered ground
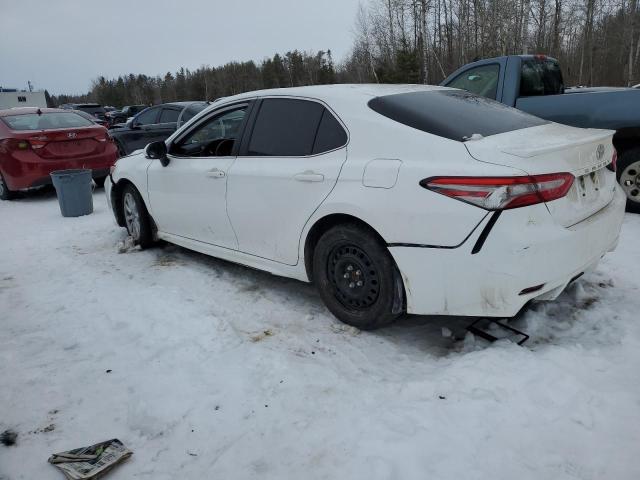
(210, 370)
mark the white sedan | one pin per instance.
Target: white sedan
(390, 198)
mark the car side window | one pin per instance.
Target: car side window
(148, 117)
(482, 80)
(169, 115)
(215, 137)
(331, 134)
(285, 127)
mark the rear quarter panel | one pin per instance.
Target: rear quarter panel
(405, 212)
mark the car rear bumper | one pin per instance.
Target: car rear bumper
(521, 252)
(29, 170)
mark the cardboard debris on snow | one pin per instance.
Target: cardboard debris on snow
(88, 463)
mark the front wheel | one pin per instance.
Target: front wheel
(136, 217)
(357, 277)
(629, 178)
(5, 193)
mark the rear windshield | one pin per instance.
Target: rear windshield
(540, 76)
(46, 121)
(453, 114)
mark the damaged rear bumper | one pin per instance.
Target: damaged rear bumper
(525, 257)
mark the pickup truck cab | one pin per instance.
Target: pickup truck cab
(534, 84)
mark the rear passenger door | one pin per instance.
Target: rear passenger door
(289, 162)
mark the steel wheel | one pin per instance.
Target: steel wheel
(353, 276)
(630, 181)
(132, 215)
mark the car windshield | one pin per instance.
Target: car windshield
(453, 114)
(46, 121)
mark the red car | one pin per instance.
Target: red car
(36, 141)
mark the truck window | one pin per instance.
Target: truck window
(482, 80)
(540, 76)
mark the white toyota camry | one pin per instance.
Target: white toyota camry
(390, 198)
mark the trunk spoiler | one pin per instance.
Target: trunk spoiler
(572, 140)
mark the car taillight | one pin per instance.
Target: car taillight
(39, 141)
(11, 144)
(614, 161)
(502, 193)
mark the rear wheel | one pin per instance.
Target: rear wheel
(357, 277)
(136, 217)
(5, 193)
(629, 178)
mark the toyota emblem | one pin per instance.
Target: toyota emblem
(600, 152)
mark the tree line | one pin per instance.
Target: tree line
(417, 41)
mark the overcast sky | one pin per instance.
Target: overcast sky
(61, 45)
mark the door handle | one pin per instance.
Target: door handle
(309, 176)
(215, 173)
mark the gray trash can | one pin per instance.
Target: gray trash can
(75, 191)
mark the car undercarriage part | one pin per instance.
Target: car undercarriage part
(481, 331)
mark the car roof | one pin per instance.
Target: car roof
(25, 110)
(361, 92)
(180, 104)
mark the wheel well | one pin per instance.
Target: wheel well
(626, 139)
(324, 224)
(116, 199)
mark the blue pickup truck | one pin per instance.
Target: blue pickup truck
(534, 83)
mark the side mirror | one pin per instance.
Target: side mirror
(157, 151)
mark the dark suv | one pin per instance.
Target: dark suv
(121, 116)
(153, 124)
(92, 109)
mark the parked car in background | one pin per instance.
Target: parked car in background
(443, 203)
(93, 109)
(120, 116)
(153, 124)
(534, 83)
(636, 86)
(34, 142)
(90, 117)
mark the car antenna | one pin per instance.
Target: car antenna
(39, 112)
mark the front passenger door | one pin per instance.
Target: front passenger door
(137, 136)
(188, 197)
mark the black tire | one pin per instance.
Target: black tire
(628, 171)
(357, 277)
(142, 234)
(99, 181)
(5, 193)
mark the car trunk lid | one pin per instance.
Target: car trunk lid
(67, 143)
(554, 148)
